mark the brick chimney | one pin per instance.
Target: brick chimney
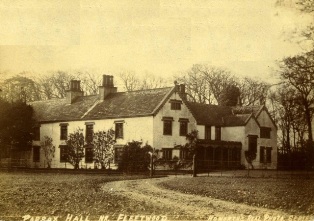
(181, 91)
(107, 87)
(74, 91)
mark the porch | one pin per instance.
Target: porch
(214, 155)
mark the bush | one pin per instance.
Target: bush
(135, 157)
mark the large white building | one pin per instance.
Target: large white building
(160, 117)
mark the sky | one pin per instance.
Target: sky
(160, 37)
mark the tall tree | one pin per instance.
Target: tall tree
(16, 124)
(229, 96)
(298, 71)
(20, 88)
(252, 91)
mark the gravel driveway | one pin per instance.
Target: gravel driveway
(181, 206)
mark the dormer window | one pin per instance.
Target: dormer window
(175, 104)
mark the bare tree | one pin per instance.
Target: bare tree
(252, 92)
(130, 81)
(298, 71)
(90, 82)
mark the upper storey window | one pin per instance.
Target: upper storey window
(175, 104)
(265, 132)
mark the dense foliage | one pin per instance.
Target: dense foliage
(75, 148)
(103, 149)
(135, 157)
(16, 124)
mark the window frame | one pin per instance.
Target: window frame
(265, 132)
(218, 133)
(89, 154)
(183, 131)
(208, 132)
(36, 133)
(63, 153)
(167, 153)
(167, 126)
(175, 104)
(268, 154)
(89, 132)
(119, 130)
(63, 127)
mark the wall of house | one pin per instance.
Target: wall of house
(251, 128)
(169, 141)
(232, 133)
(137, 129)
(265, 121)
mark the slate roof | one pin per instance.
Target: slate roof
(129, 104)
(247, 109)
(215, 115)
(115, 105)
(61, 110)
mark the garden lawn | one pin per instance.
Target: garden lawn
(61, 194)
(295, 196)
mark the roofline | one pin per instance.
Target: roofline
(267, 112)
(254, 118)
(90, 119)
(161, 104)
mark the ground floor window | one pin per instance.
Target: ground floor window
(265, 154)
(36, 154)
(167, 153)
(184, 154)
(63, 153)
(118, 151)
(89, 154)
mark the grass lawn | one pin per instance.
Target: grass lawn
(60, 194)
(295, 196)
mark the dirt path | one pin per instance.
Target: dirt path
(146, 190)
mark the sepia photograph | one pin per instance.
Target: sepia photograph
(155, 110)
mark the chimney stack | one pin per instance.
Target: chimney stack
(181, 91)
(74, 91)
(107, 87)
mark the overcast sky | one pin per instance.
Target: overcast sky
(160, 37)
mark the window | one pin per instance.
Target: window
(36, 154)
(175, 104)
(36, 131)
(183, 126)
(118, 151)
(89, 154)
(268, 154)
(167, 125)
(208, 131)
(63, 153)
(167, 153)
(184, 152)
(63, 131)
(217, 133)
(265, 132)
(265, 154)
(89, 132)
(119, 130)
(252, 143)
(262, 155)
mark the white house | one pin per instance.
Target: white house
(160, 117)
